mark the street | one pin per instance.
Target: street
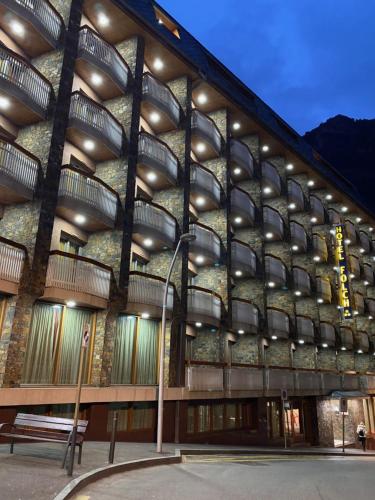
(244, 477)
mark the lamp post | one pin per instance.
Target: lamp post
(184, 238)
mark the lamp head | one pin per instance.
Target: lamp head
(187, 237)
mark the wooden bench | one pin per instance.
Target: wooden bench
(44, 428)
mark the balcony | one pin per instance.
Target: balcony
(145, 295)
(350, 382)
(242, 161)
(350, 233)
(244, 260)
(41, 25)
(206, 138)
(298, 237)
(157, 165)
(308, 382)
(206, 248)
(94, 129)
(275, 379)
(24, 91)
(327, 334)
(154, 228)
(362, 343)
(296, 198)
(334, 216)
(159, 108)
(331, 382)
(12, 258)
(82, 197)
(370, 306)
(244, 379)
(346, 338)
(204, 378)
(100, 65)
(18, 174)
(301, 281)
(245, 316)
(72, 277)
(205, 189)
(275, 272)
(324, 290)
(271, 181)
(354, 266)
(305, 330)
(242, 208)
(359, 304)
(368, 274)
(278, 325)
(204, 306)
(364, 242)
(317, 210)
(320, 248)
(273, 224)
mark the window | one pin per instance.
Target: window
(69, 244)
(203, 418)
(132, 416)
(138, 265)
(230, 416)
(167, 22)
(2, 313)
(217, 417)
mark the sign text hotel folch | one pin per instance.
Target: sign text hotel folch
(342, 265)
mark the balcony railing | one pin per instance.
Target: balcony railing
(305, 329)
(88, 194)
(12, 258)
(327, 334)
(154, 222)
(320, 248)
(203, 306)
(298, 237)
(365, 243)
(271, 179)
(244, 379)
(242, 159)
(18, 171)
(354, 265)
(275, 271)
(161, 96)
(370, 305)
(242, 208)
(96, 121)
(334, 216)
(24, 83)
(145, 294)
(245, 316)
(359, 303)
(78, 274)
(103, 55)
(346, 337)
(156, 155)
(206, 244)
(351, 233)
(273, 223)
(296, 197)
(278, 324)
(41, 15)
(368, 274)
(205, 128)
(244, 260)
(362, 343)
(324, 289)
(317, 210)
(302, 281)
(203, 182)
(204, 378)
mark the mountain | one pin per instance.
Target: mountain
(349, 145)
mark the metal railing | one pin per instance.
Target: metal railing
(275, 270)
(155, 218)
(206, 240)
(305, 328)
(320, 247)
(317, 209)
(201, 122)
(204, 303)
(295, 194)
(245, 316)
(327, 333)
(278, 323)
(271, 177)
(148, 291)
(96, 117)
(273, 222)
(241, 156)
(89, 191)
(242, 203)
(298, 235)
(301, 280)
(71, 273)
(206, 181)
(17, 72)
(243, 258)
(104, 54)
(162, 94)
(11, 262)
(324, 289)
(159, 154)
(18, 165)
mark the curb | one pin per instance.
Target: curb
(292, 451)
(78, 483)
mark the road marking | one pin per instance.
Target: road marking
(261, 458)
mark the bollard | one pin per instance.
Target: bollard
(113, 438)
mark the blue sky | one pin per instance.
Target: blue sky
(309, 60)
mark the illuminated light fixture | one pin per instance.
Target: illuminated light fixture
(320, 301)
(71, 303)
(343, 348)
(332, 231)
(371, 229)
(238, 220)
(237, 171)
(352, 276)
(200, 201)
(366, 283)
(201, 147)
(155, 117)
(362, 250)
(145, 315)
(160, 21)
(158, 64)
(292, 206)
(358, 219)
(311, 183)
(338, 307)
(274, 337)
(271, 284)
(4, 103)
(56, 306)
(344, 209)
(103, 20)
(295, 248)
(355, 313)
(151, 176)
(267, 190)
(335, 268)
(148, 242)
(236, 126)
(360, 351)
(265, 148)
(17, 28)
(373, 258)
(313, 220)
(301, 341)
(89, 145)
(241, 332)
(202, 98)
(290, 166)
(96, 79)
(269, 236)
(298, 293)
(80, 219)
(347, 241)
(329, 197)
(199, 259)
(238, 273)
(370, 317)
(198, 324)
(316, 258)
(325, 346)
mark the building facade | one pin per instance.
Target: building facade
(118, 133)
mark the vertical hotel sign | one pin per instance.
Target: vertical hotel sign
(342, 265)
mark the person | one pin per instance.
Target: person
(361, 433)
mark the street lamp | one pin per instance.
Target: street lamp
(184, 238)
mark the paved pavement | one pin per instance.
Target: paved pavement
(34, 472)
(244, 478)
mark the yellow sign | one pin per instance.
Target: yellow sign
(344, 293)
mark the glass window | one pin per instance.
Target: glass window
(203, 418)
(217, 417)
(191, 419)
(70, 245)
(230, 416)
(142, 416)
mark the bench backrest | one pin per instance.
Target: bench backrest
(51, 423)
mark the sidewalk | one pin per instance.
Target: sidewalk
(34, 471)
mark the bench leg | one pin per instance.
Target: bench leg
(80, 454)
(12, 446)
(65, 453)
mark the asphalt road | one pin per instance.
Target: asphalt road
(244, 478)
